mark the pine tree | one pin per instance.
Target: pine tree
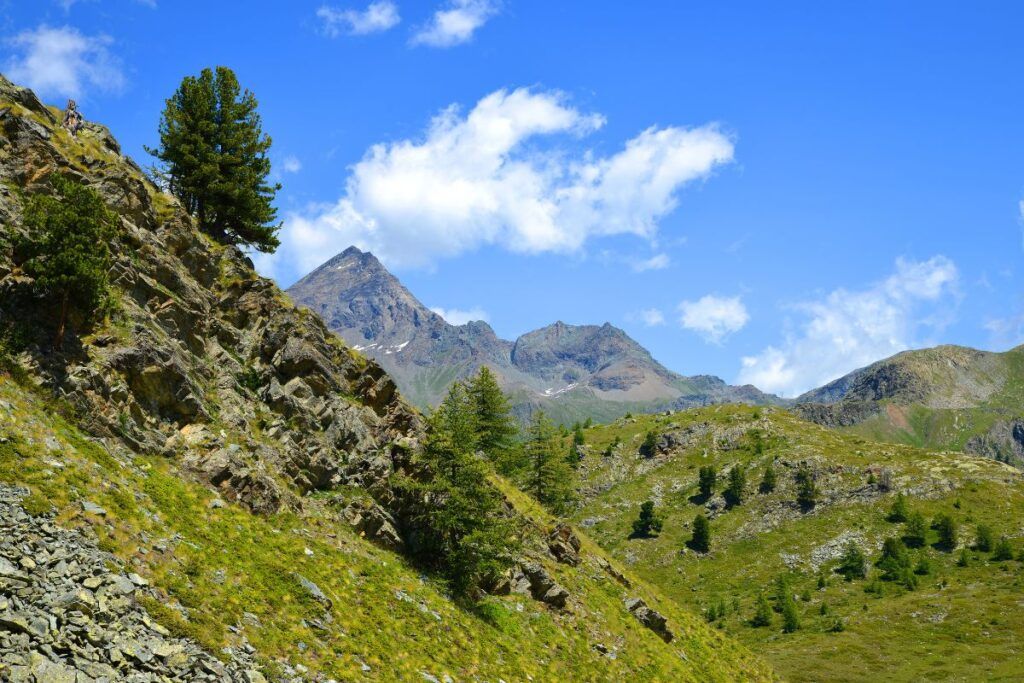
(66, 250)
(946, 527)
(806, 491)
(495, 425)
(768, 480)
(701, 538)
(898, 513)
(983, 538)
(215, 152)
(706, 481)
(895, 561)
(762, 612)
(578, 437)
(650, 445)
(736, 488)
(550, 478)
(1003, 550)
(648, 523)
(790, 616)
(460, 528)
(915, 531)
(853, 564)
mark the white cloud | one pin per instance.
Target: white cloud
(482, 179)
(455, 23)
(847, 330)
(378, 16)
(455, 316)
(650, 317)
(63, 62)
(714, 317)
(291, 164)
(656, 262)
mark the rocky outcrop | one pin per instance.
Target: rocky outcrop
(564, 545)
(67, 617)
(201, 360)
(842, 414)
(650, 618)
(1003, 442)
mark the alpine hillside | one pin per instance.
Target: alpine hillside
(572, 372)
(200, 482)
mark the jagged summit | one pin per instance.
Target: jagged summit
(571, 371)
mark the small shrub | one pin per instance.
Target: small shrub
(1003, 550)
(983, 538)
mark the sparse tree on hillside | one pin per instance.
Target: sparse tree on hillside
(215, 152)
(946, 527)
(790, 617)
(768, 480)
(66, 249)
(648, 523)
(549, 476)
(1003, 551)
(650, 445)
(460, 527)
(915, 531)
(736, 488)
(706, 481)
(700, 541)
(578, 437)
(762, 612)
(898, 513)
(495, 425)
(895, 563)
(806, 490)
(983, 539)
(853, 564)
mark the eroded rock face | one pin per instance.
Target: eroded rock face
(197, 342)
(66, 616)
(564, 545)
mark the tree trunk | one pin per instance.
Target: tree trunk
(58, 342)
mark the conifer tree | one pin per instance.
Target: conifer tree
(549, 477)
(762, 612)
(66, 249)
(895, 563)
(701, 538)
(215, 153)
(853, 564)
(806, 490)
(496, 427)
(1003, 551)
(650, 445)
(736, 488)
(706, 481)
(898, 513)
(648, 523)
(578, 437)
(768, 480)
(915, 531)
(460, 529)
(790, 616)
(946, 527)
(983, 538)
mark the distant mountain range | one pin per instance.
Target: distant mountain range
(950, 397)
(571, 371)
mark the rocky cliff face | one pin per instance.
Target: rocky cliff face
(571, 371)
(200, 358)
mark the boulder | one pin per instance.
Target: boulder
(649, 618)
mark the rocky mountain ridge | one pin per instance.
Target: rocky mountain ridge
(946, 396)
(570, 371)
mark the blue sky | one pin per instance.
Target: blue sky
(770, 194)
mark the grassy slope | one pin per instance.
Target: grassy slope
(226, 562)
(961, 623)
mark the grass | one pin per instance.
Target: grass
(973, 612)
